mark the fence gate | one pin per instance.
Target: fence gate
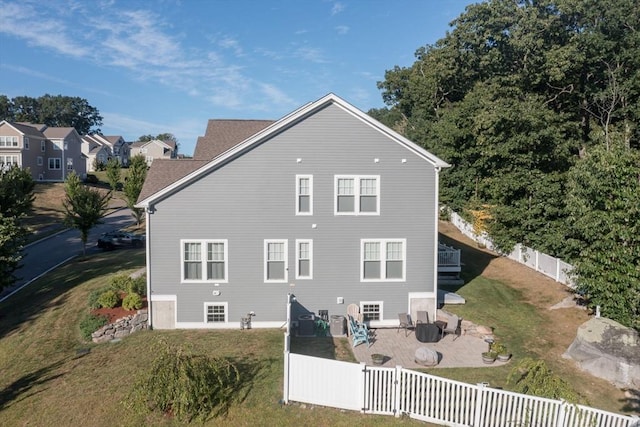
(381, 390)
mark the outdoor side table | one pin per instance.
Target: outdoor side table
(427, 332)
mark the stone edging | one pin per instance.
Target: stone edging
(121, 327)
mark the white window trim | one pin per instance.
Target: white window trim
(203, 260)
(25, 141)
(310, 178)
(286, 260)
(379, 303)
(210, 304)
(40, 161)
(310, 242)
(43, 146)
(356, 194)
(383, 259)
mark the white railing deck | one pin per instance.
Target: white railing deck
(448, 258)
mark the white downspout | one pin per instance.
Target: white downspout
(147, 260)
(435, 241)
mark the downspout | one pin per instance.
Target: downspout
(64, 163)
(147, 211)
(435, 240)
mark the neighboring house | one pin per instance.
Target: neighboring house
(154, 149)
(326, 204)
(50, 153)
(95, 151)
(116, 146)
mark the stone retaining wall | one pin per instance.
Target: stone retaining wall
(121, 327)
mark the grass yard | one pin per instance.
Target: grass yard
(48, 380)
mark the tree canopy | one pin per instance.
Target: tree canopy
(521, 97)
(54, 111)
(16, 199)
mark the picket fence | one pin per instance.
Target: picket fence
(398, 391)
(552, 267)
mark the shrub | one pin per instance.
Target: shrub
(189, 386)
(94, 297)
(91, 323)
(120, 283)
(109, 299)
(534, 377)
(91, 179)
(138, 285)
(132, 301)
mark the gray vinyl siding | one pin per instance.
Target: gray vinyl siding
(253, 198)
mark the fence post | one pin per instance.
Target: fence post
(285, 387)
(477, 417)
(561, 413)
(398, 386)
(558, 269)
(362, 390)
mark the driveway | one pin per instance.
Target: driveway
(45, 255)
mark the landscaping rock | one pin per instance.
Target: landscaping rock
(121, 327)
(608, 350)
(426, 356)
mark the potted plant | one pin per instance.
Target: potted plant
(489, 357)
(377, 358)
(501, 351)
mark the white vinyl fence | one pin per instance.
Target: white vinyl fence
(550, 266)
(397, 391)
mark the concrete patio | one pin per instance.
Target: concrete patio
(463, 352)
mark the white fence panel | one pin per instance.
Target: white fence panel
(545, 264)
(395, 391)
(437, 400)
(325, 382)
(380, 390)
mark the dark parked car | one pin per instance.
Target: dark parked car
(114, 239)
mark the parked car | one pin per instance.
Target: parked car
(114, 239)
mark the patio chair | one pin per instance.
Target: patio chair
(359, 332)
(405, 323)
(423, 317)
(353, 310)
(452, 326)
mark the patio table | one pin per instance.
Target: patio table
(427, 332)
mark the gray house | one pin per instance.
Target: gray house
(326, 204)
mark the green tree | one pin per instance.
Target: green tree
(55, 111)
(604, 224)
(113, 173)
(16, 199)
(84, 207)
(133, 185)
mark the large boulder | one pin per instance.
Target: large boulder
(608, 350)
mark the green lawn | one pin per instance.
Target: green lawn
(48, 380)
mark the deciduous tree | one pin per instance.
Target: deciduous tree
(84, 207)
(113, 173)
(16, 199)
(133, 185)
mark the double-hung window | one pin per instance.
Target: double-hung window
(383, 260)
(43, 146)
(304, 194)
(275, 261)
(8, 141)
(304, 259)
(371, 310)
(204, 261)
(357, 195)
(55, 163)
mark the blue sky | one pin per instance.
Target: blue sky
(161, 66)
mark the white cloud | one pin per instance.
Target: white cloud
(38, 29)
(337, 8)
(311, 54)
(342, 29)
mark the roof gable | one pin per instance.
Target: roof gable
(222, 135)
(58, 133)
(24, 129)
(223, 154)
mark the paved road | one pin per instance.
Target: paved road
(44, 255)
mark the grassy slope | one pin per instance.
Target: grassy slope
(45, 382)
